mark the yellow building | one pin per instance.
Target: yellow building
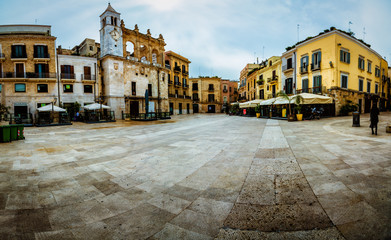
(178, 84)
(268, 78)
(206, 94)
(243, 86)
(27, 69)
(338, 65)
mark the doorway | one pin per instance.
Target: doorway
(134, 108)
(195, 108)
(180, 108)
(359, 105)
(367, 105)
(211, 108)
(171, 108)
(188, 108)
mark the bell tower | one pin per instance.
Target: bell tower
(111, 33)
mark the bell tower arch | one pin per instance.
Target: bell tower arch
(111, 33)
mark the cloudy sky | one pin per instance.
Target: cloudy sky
(218, 36)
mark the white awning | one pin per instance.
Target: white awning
(49, 108)
(309, 98)
(268, 102)
(281, 100)
(96, 106)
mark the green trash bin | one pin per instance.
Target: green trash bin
(14, 132)
(5, 133)
(20, 131)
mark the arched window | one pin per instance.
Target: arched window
(270, 62)
(154, 58)
(143, 58)
(112, 20)
(115, 21)
(129, 49)
(183, 68)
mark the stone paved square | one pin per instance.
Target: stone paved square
(198, 177)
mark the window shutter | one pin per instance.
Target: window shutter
(71, 69)
(24, 50)
(313, 59)
(319, 57)
(341, 55)
(36, 67)
(35, 52)
(46, 68)
(320, 80)
(348, 57)
(306, 60)
(62, 68)
(301, 62)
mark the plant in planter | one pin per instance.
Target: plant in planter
(260, 81)
(348, 108)
(3, 111)
(234, 109)
(258, 110)
(298, 99)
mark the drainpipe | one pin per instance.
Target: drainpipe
(96, 76)
(58, 79)
(158, 90)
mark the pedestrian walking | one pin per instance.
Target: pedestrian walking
(374, 118)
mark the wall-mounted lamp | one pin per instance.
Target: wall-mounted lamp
(331, 64)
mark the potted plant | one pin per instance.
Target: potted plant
(298, 99)
(258, 111)
(299, 115)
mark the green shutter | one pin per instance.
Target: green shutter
(319, 57)
(341, 55)
(313, 59)
(348, 57)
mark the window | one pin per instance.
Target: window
(68, 88)
(67, 72)
(360, 85)
(376, 88)
(184, 93)
(316, 58)
(289, 63)
(274, 76)
(1, 86)
(195, 86)
(211, 97)
(211, 87)
(225, 99)
(20, 87)
(150, 90)
(87, 88)
(304, 64)
(369, 66)
(87, 73)
(41, 70)
(288, 86)
(19, 70)
(304, 85)
(344, 56)
(261, 77)
(261, 94)
(195, 96)
(18, 51)
(91, 48)
(361, 63)
(344, 81)
(368, 86)
(42, 88)
(41, 51)
(184, 81)
(134, 88)
(377, 71)
(317, 88)
(230, 89)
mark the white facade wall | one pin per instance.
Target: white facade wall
(78, 95)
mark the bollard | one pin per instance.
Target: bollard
(356, 119)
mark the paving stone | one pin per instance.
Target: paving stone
(174, 232)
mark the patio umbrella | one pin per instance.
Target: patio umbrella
(96, 106)
(50, 108)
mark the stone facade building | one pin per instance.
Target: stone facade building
(178, 83)
(27, 68)
(229, 92)
(206, 94)
(243, 86)
(132, 65)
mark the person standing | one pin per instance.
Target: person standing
(374, 118)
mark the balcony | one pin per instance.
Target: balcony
(196, 99)
(314, 90)
(195, 89)
(272, 79)
(177, 69)
(211, 89)
(171, 95)
(185, 73)
(225, 90)
(88, 77)
(212, 101)
(315, 67)
(18, 57)
(260, 82)
(177, 84)
(67, 76)
(287, 68)
(187, 97)
(2, 56)
(27, 75)
(304, 69)
(180, 96)
(185, 85)
(169, 82)
(168, 66)
(42, 56)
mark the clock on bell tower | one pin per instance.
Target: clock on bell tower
(111, 33)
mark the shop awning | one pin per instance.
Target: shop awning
(96, 106)
(268, 102)
(250, 104)
(309, 98)
(281, 100)
(49, 108)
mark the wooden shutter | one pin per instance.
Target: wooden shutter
(23, 50)
(348, 57)
(319, 57)
(87, 71)
(71, 67)
(341, 55)
(313, 59)
(62, 68)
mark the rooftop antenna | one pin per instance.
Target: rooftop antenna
(350, 23)
(298, 28)
(255, 55)
(363, 32)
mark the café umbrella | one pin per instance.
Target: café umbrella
(95, 106)
(51, 108)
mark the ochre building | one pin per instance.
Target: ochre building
(27, 69)
(178, 84)
(206, 94)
